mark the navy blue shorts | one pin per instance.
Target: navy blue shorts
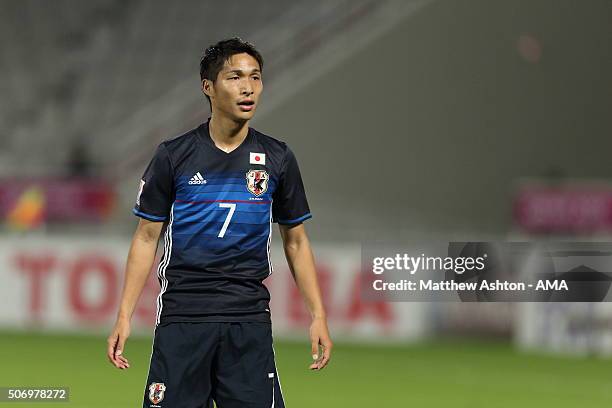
(194, 364)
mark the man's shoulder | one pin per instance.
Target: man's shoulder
(270, 143)
(181, 141)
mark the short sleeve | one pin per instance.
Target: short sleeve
(289, 206)
(156, 191)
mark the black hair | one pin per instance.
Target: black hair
(215, 56)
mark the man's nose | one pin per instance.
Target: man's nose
(247, 89)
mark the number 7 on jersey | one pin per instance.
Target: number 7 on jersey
(230, 214)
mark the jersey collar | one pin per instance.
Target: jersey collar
(204, 133)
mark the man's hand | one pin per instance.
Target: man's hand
(321, 344)
(116, 344)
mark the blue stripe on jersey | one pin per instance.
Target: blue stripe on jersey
(295, 220)
(211, 246)
(217, 213)
(187, 210)
(148, 216)
(213, 226)
(220, 186)
(216, 180)
(222, 196)
(212, 229)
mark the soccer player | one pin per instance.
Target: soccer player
(215, 191)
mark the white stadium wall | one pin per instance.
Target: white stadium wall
(74, 284)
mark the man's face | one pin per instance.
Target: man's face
(236, 90)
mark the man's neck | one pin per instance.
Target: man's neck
(227, 134)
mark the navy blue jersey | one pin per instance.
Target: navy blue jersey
(219, 208)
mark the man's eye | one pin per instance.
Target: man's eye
(234, 77)
(256, 78)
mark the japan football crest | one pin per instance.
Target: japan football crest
(257, 181)
(156, 392)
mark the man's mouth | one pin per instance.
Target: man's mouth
(246, 105)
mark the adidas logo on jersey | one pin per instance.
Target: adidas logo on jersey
(197, 179)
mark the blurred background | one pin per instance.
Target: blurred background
(412, 120)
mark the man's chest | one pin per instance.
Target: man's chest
(245, 176)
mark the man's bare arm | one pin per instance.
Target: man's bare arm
(301, 262)
(139, 263)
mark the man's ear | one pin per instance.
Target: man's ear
(207, 87)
